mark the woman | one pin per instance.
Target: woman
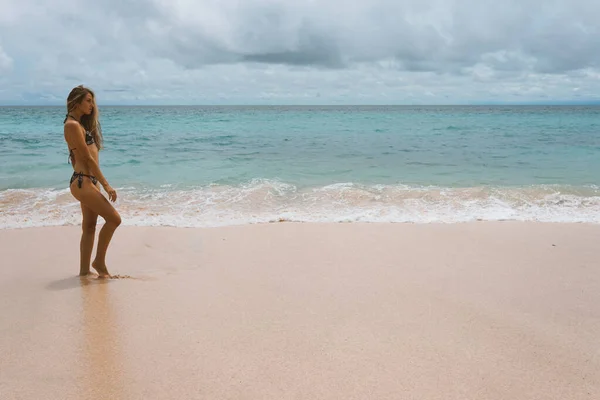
(84, 138)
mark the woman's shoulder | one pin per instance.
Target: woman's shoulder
(72, 127)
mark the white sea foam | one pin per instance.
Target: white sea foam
(261, 201)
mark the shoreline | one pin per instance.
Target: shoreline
(490, 310)
(244, 225)
(317, 223)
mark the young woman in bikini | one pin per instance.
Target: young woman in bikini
(84, 138)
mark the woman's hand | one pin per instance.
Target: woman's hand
(112, 193)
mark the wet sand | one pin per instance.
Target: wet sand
(484, 310)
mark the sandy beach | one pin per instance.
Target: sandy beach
(489, 310)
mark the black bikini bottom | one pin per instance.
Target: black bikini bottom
(79, 176)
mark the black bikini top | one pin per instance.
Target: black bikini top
(89, 138)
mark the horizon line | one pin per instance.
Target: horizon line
(548, 103)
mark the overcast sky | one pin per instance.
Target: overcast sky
(300, 51)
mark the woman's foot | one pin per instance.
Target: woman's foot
(102, 270)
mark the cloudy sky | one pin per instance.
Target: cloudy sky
(300, 51)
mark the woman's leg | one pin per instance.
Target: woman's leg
(88, 228)
(91, 197)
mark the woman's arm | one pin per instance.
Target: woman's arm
(76, 142)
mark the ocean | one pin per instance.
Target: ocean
(203, 166)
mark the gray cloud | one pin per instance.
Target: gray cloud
(442, 36)
(277, 50)
(312, 50)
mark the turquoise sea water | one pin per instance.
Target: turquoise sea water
(207, 166)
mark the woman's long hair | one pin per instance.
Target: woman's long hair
(90, 122)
